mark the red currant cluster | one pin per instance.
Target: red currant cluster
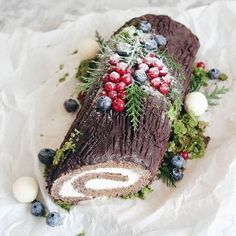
(156, 71)
(115, 81)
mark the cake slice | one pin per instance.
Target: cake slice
(116, 151)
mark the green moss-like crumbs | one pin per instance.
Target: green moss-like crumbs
(142, 194)
(63, 78)
(65, 205)
(61, 66)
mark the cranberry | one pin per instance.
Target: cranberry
(153, 72)
(143, 67)
(164, 89)
(148, 61)
(127, 79)
(121, 68)
(156, 83)
(118, 105)
(157, 63)
(120, 87)
(121, 95)
(109, 86)
(163, 72)
(114, 77)
(151, 54)
(201, 64)
(184, 154)
(110, 69)
(103, 93)
(105, 78)
(114, 59)
(112, 95)
(167, 80)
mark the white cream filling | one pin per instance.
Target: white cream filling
(67, 189)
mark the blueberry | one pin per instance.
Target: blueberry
(145, 26)
(104, 104)
(160, 40)
(177, 161)
(150, 44)
(140, 76)
(123, 49)
(214, 74)
(37, 209)
(71, 105)
(46, 156)
(177, 174)
(53, 219)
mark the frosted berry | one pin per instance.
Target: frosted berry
(121, 95)
(160, 39)
(46, 156)
(123, 49)
(120, 87)
(163, 72)
(71, 105)
(145, 26)
(157, 63)
(150, 44)
(110, 69)
(127, 79)
(177, 161)
(103, 104)
(184, 154)
(164, 89)
(140, 76)
(112, 95)
(118, 105)
(53, 219)
(167, 80)
(103, 93)
(201, 64)
(105, 78)
(156, 83)
(37, 209)
(177, 174)
(153, 73)
(114, 59)
(121, 68)
(143, 67)
(109, 86)
(214, 74)
(114, 77)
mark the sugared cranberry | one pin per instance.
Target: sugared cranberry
(148, 61)
(103, 93)
(121, 95)
(151, 54)
(105, 78)
(143, 67)
(167, 80)
(164, 89)
(120, 87)
(110, 69)
(201, 64)
(114, 59)
(121, 68)
(112, 95)
(109, 86)
(153, 73)
(156, 83)
(157, 63)
(114, 77)
(163, 72)
(127, 79)
(118, 105)
(184, 154)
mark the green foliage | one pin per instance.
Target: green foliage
(174, 109)
(199, 78)
(223, 77)
(142, 194)
(101, 41)
(135, 97)
(65, 205)
(46, 171)
(215, 95)
(81, 234)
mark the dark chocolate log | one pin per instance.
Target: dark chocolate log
(109, 140)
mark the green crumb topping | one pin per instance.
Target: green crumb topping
(63, 78)
(199, 78)
(75, 52)
(81, 234)
(46, 171)
(67, 146)
(142, 194)
(65, 205)
(223, 76)
(61, 66)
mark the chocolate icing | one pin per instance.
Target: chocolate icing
(110, 137)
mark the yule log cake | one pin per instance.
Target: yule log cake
(118, 139)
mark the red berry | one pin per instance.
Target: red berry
(157, 63)
(121, 68)
(103, 93)
(148, 61)
(184, 154)
(121, 95)
(201, 64)
(153, 72)
(143, 67)
(127, 79)
(120, 87)
(156, 83)
(163, 72)
(167, 80)
(114, 77)
(114, 59)
(109, 86)
(164, 89)
(112, 95)
(105, 78)
(110, 69)
(151, 54)
(118, 105)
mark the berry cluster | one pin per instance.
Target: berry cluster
(115, 81)
(156, 72)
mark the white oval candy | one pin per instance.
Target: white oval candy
(25, 189)
(196, 102)
(88, 49)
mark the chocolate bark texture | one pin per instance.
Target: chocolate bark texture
(110, 138)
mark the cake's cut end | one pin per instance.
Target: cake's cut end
(110, 179)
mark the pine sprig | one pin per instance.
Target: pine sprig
(135, 103)
(165, 175)
(101, 41)
(215, 95)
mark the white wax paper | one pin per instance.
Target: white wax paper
(32, 117)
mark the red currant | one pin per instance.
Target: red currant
(109, 86)
(118, 105)
(114, 59)
(143, 67)
(201, 64)
(114, 77)
(103, 93)
(121, 68)
(112, 95)
(153, 72)
(127, 79)
(120, 87)
(156, 83)
(121, 95)
(184, 154)
(164, 89)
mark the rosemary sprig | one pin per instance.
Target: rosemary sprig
(135, 103)
(215, 95)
